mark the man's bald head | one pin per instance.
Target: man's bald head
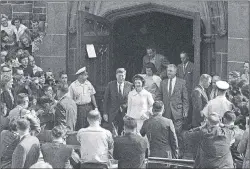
(93, 116)
(213, 118)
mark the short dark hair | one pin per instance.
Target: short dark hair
(39, 74)
(229, 116)
(23, 124)
(152, 47)
(139, 77)
(120, 70)
(58, 131)
(13, 20)
(151, 66)
(130, 123)
(64, 88)
(3, 34)
(20, 98)
(158, 106)
(46, 87)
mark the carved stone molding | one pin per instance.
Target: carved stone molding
(219, 19)
(209, 38)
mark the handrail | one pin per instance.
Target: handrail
(176, 162)
(172, 160)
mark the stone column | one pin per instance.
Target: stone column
(52, 53)
(238, 34)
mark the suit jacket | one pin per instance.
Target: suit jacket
(199, 101)
(187, 75)
(26, 153)
(6, 98)
(113, 101)
(66, 112)
(57, 154)
(161, 135)
(214, 146)
(130, 151)
(9, 141)
(176, 106)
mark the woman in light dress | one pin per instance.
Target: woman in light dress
(140, 102)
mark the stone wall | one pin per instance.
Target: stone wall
(52, 53)
(25, 10)
(238, 34)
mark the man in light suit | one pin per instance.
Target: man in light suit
(115, 101)
(173, 93)
(28, 150)
(185, 71)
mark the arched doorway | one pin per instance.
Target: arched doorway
(169, 34)
(99, 32)
(150, 8)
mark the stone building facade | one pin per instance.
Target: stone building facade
(224, 39)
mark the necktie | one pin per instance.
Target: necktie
(184, 68)
(119, 89)
(170, 87)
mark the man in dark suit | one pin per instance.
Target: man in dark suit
(28, 150)
(173, 93)
(161, 134)
(214, 143)
(200, 99)
(130, 149)
(185, 71)
(115, 101)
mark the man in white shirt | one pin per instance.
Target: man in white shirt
(82, 92)
(220, 104)
(96, 142)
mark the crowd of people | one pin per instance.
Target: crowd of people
(162, 113)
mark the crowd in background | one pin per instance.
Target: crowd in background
(33, 101)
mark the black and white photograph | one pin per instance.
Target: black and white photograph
(116, 84)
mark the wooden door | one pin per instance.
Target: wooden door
(97, 31)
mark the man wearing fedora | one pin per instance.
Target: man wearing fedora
(82, 92)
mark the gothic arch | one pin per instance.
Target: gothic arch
(113, 15)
